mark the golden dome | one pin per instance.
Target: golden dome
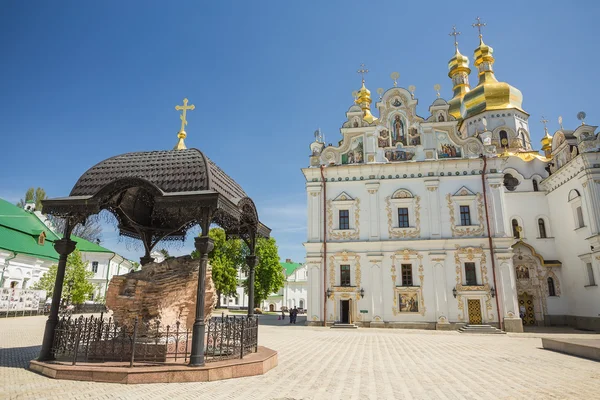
(364, 101)
(489, 94)
(459, 71)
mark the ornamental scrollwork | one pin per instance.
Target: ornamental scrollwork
(461, 231)
(404, 233)
(406, 255)
(472, 253)
(346, 234)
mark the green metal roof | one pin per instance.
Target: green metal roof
(20, 231)
(290, 267)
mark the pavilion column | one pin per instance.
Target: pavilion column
(63, 247)
(252, 261)
(204, 245)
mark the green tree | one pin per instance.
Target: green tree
(225, 259)
(36, 195)
(268, 274)
(76, 272)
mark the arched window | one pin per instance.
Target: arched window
(302, 304)
(503, 139)
(510, 182)
(535, 186)
(551, 289)
(516, 229)
(542, 227)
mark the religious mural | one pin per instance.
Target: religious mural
(355, 155)
(400, 154)
(409, 302)
(522, 272)
(446, 148)
(415, 138)
(398, 130)
(384, 138)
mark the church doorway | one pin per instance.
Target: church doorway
(271, 307)
(345, 311)
(474, 308)
(526, 309)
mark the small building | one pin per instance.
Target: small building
(27, 250)
(293, 294)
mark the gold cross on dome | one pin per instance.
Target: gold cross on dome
(544, 121)
(362, 71)
(184, 109)
(454, 33)
(479, 25)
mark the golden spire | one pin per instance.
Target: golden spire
(546, 140)
(489, 94)
(182, 135)
(364, 96)
(459, 73)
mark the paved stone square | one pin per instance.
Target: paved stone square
(319, 363)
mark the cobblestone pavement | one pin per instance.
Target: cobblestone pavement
(319, 363)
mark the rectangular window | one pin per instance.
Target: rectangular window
(345, 275)
(344, 219)
(94, 266)
(237, 300)
(403, 218)
(92, 297)
(470, 274)
(579, 217)
(465, 216)
(590, 271)
(407, 279)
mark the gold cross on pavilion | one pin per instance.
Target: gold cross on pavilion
(181, 135)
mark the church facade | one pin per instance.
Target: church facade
(453, 218)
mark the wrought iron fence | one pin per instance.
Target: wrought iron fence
(97, 339)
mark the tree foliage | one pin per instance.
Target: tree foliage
(225, 259)
(90, 230)
(76, 272)
(36, 195)
(268, 274)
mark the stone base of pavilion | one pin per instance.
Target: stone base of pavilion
(252, 364)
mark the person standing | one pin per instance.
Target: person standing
(282, 314)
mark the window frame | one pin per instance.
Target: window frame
(551, 287)
(345, 218)
(515, 229)
(474, 274)
(95, 267)
(543, 233)
(591, 278)
(406, 274)
(403, 218)
(345, 282)
(465, 214)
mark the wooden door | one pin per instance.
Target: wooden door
(526, 309)
(345, 311)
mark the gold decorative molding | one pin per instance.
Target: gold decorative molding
(407, 255)
(372, 191)
(403, 233)
(472, 253)
(347, 234)
(345, 256)
(432, 188)
(315, 194)
(495, 185)
(472, 230)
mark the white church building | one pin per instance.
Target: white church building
(453, 218)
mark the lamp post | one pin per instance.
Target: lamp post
(362, 293)
(329, 293)
(454, 291)
(493, 291)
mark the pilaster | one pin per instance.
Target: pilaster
(315, 211)
(591, 194)
(438, 260)
(373, 189)
(496, 208)
(508, 292)
(433, 194)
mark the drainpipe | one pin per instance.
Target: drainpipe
(324, 246)
(489, 235)
(6, 262)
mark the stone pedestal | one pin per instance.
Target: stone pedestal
(161, 292)
(513, 325)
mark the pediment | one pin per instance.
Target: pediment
(463, 191)
(344, 197)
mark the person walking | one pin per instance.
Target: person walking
(282, 314)
(295, 311)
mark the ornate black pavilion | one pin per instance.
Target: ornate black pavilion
(158, 195)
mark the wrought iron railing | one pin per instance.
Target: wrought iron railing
(97, 339)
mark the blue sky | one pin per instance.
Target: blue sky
(83, 81)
